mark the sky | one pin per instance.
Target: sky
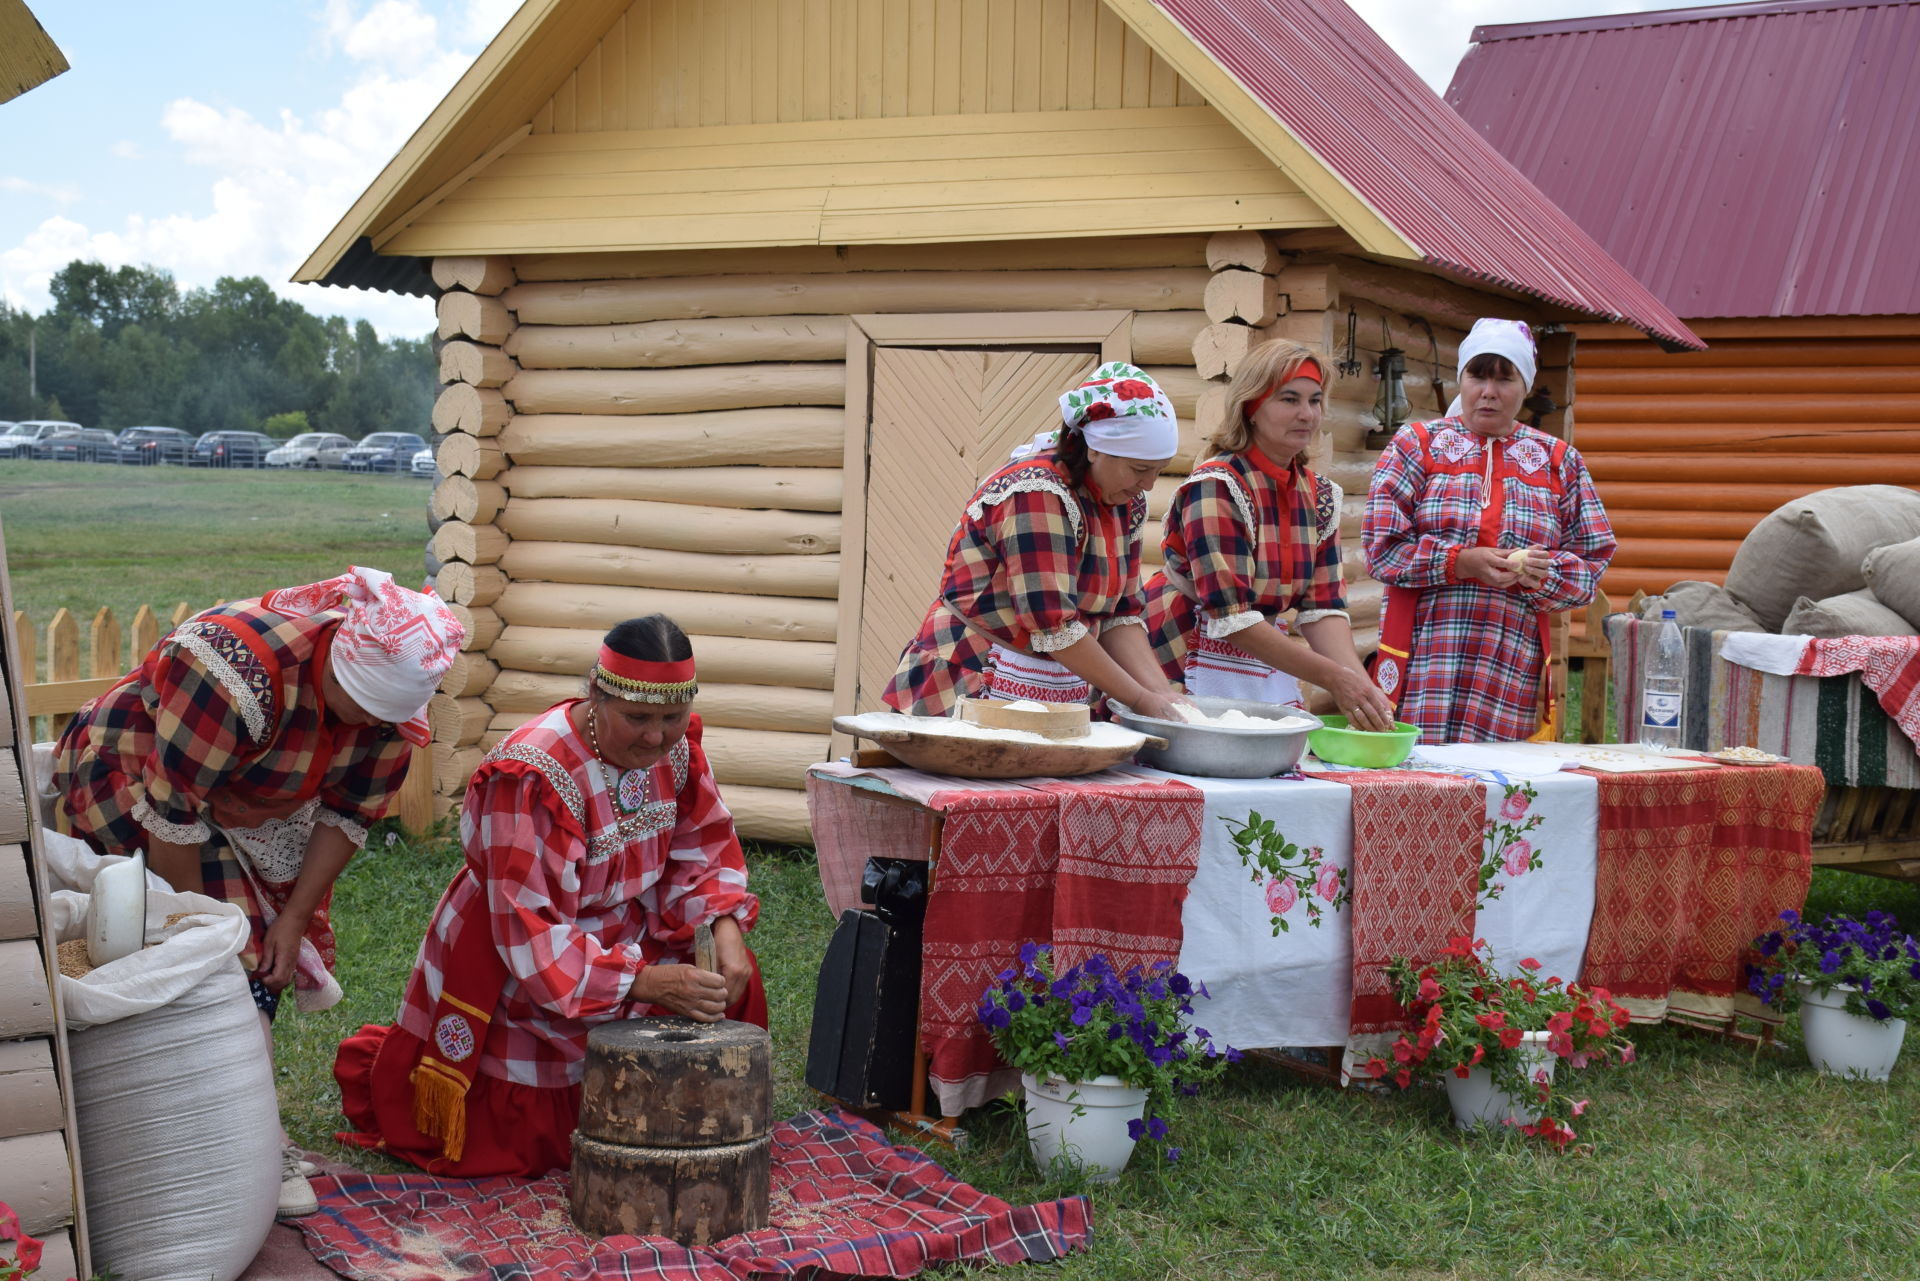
(226, 137)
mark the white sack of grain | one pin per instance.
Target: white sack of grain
(1893, 576)
(173, 1095)
(1814, 546)
(1849, 614)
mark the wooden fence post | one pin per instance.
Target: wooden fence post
(104, 661)
(63, 657)
(27, 645)
(146, 632)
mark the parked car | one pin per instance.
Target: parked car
(423, 464)
(22, 437)
(146, 446)
(230, 449)
(81, 445)
(305, 450)
(388, 451)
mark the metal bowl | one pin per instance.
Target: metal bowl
(1216, 751)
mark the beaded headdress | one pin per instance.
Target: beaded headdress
(639, 681)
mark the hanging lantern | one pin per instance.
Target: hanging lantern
(1390, 407)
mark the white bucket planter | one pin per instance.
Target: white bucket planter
(1478, 1102)
(1083, 1123)
(1843, 1044)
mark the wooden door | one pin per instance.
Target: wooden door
(942, 421)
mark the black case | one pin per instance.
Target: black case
(866, 1004)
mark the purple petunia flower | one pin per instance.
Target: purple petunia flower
(1829, 962)
(1173, 1154)
(1136, 1129)
(1879, 1010)
(1060, 1039)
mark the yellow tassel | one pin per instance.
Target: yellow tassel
(440, 1107)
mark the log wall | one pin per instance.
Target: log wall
(1691, 450)
(669, 436)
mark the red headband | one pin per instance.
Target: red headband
(1309, 369)
(639, 669)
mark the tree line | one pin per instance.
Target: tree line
(126, 346)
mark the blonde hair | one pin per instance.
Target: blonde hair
(1267, 366)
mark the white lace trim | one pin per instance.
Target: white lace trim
(1306, 616)
(1330, 527)
(333, 818)
(277, 848)
(1059, 637)
(1125, 620)
(998, 494)
(176, 833)
(1235, 490)
(1221, 628)
(250, 710)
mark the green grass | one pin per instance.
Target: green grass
(1706, 1162)
(81, 536)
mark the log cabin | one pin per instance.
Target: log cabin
(1755, 165)
(707, 271)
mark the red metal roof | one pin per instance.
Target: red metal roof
(1746, 160)
(1325, 74)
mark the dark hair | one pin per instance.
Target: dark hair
(1491, 365)
(1071, 453)
(653, 639)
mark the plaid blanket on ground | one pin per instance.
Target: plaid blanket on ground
(845, 1203)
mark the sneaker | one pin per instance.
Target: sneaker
(296, 1194)
(307, 1168)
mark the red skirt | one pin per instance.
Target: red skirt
(523, 1130)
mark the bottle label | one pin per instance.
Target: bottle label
(1660, 711)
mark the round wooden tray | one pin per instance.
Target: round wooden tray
(965, 757)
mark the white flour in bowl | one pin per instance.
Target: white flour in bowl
(1234, 718)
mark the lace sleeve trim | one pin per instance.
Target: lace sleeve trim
(1221, 628)
(1124, 620)
(550, 769)
(1059, 637)
(998, 491)
(1329, 502)
(1306, 616)
(355, 832)
(193, 833)
(252, 711)
(1235, 490)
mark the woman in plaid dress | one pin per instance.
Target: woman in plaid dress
(596, 844)
(1041, 595)
(249, 752)
(1481, 528)
(1252, 534)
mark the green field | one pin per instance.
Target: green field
(81, 536)
(1706, 1161)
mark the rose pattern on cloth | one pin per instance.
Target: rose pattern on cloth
(1504, 844)
(1292, 874)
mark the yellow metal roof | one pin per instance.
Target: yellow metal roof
(28, 56)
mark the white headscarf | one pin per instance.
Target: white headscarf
(1122, 412)
(390, 650)
(1509, 338)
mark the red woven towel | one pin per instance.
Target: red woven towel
(1693, 864)
(1416, 861)
(1088, 868)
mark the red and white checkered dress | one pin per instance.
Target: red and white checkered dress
(1034, 565)
(1474, 674)
(585, 879)
(1246, 540)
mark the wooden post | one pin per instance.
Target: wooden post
(1596, 668)
(414, 805)
(63, 658)
(146, 632)
(26, 645)
(103, 660)
(181, 613)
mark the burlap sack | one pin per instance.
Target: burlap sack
(1855, 614)
(1813, 547)
(1711, 607)
(1893, 575)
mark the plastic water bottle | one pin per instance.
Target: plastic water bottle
(1666, 689)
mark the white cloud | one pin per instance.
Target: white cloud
(276, 185)
(59, 193)
(126, 149)
(1433, 35)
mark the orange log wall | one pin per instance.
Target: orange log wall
(1691, 450)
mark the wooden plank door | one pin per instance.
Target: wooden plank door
(942, 421)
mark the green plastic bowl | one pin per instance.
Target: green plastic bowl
(1369, 748)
